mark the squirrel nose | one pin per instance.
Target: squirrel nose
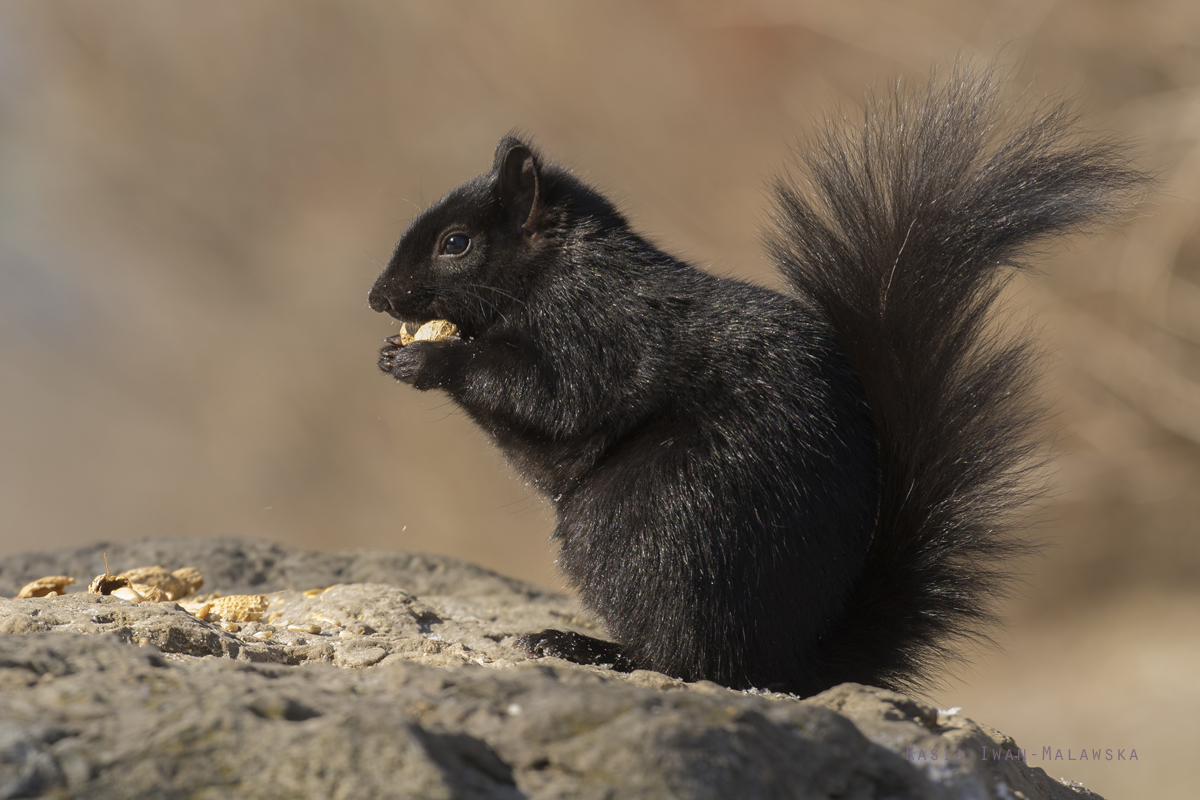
(379, 302)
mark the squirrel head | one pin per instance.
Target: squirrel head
(473, 256)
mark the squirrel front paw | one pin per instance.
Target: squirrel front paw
(410, 363)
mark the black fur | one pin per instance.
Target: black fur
(769, 490)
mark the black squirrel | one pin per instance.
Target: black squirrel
(763, 489)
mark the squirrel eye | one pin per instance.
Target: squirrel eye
(456, 244)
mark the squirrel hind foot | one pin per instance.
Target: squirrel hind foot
(574, 647)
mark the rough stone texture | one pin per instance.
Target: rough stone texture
(412, 689)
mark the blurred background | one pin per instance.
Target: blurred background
(195, 198)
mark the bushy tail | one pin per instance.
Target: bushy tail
(903, 234)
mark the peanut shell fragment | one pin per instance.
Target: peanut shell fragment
(191, 578)
(151, 593)
(168, 586)
(107, 584)
(235, 608)
(45, 587)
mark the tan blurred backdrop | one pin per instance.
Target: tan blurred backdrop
(196, 197)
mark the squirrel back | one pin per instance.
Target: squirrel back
(784, 491)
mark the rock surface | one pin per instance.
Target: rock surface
(399, 680)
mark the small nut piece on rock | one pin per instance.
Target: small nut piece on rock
(199, 610)
(128, 593)
(433, 331)
(45, 587)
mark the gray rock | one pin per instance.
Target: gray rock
(412, 689)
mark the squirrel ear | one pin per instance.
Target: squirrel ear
(517, 172)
